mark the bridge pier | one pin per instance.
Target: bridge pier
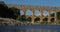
(41, 17)
(33, 16)
(49, 17)
(55, 22)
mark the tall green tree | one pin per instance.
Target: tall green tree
(7, 12)
(16, 12)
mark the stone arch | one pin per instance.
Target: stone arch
(52, 20)
(21, 12)
(52, 12)
(49, 16)
(45, 12)
(28, 12)
(37, 19)
(37, 13)
(45, 20)
(29, 19)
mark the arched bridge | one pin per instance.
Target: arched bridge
(41, 9)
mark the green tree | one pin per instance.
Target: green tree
(6, 12)
(52, 15)
(23, 18)
(16, 12)
(19, 18)
(3, 10)
(58, 15)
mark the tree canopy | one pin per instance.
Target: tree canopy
(7, 12)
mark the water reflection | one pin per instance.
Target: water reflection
(34, 30)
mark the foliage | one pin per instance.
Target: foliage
(19, 18)
(15, 13)
(23, 18)
(6, 12)
(52, 15)
(58, 15)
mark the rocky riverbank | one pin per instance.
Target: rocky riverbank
(8, 22)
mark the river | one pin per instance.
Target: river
(30, 28)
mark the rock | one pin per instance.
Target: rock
(7, 21)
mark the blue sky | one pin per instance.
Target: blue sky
(35, 3)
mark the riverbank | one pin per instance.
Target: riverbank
(8, 22)
(12, 22)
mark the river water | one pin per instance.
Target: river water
(31, 28)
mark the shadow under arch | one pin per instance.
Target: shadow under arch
(37, 19)
(52, 20)
(29, 19)
(45, 20)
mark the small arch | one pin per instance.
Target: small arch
(52, 13)
(21, 12)
(52, 9)
(45, 12)
(52, 20)
(37, 13)
(37, 19)
(45, 20)
(28, 12)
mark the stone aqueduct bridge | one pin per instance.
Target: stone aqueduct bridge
(41, 9)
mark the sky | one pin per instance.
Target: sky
(34, 3)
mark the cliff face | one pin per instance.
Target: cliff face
(8, 22)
